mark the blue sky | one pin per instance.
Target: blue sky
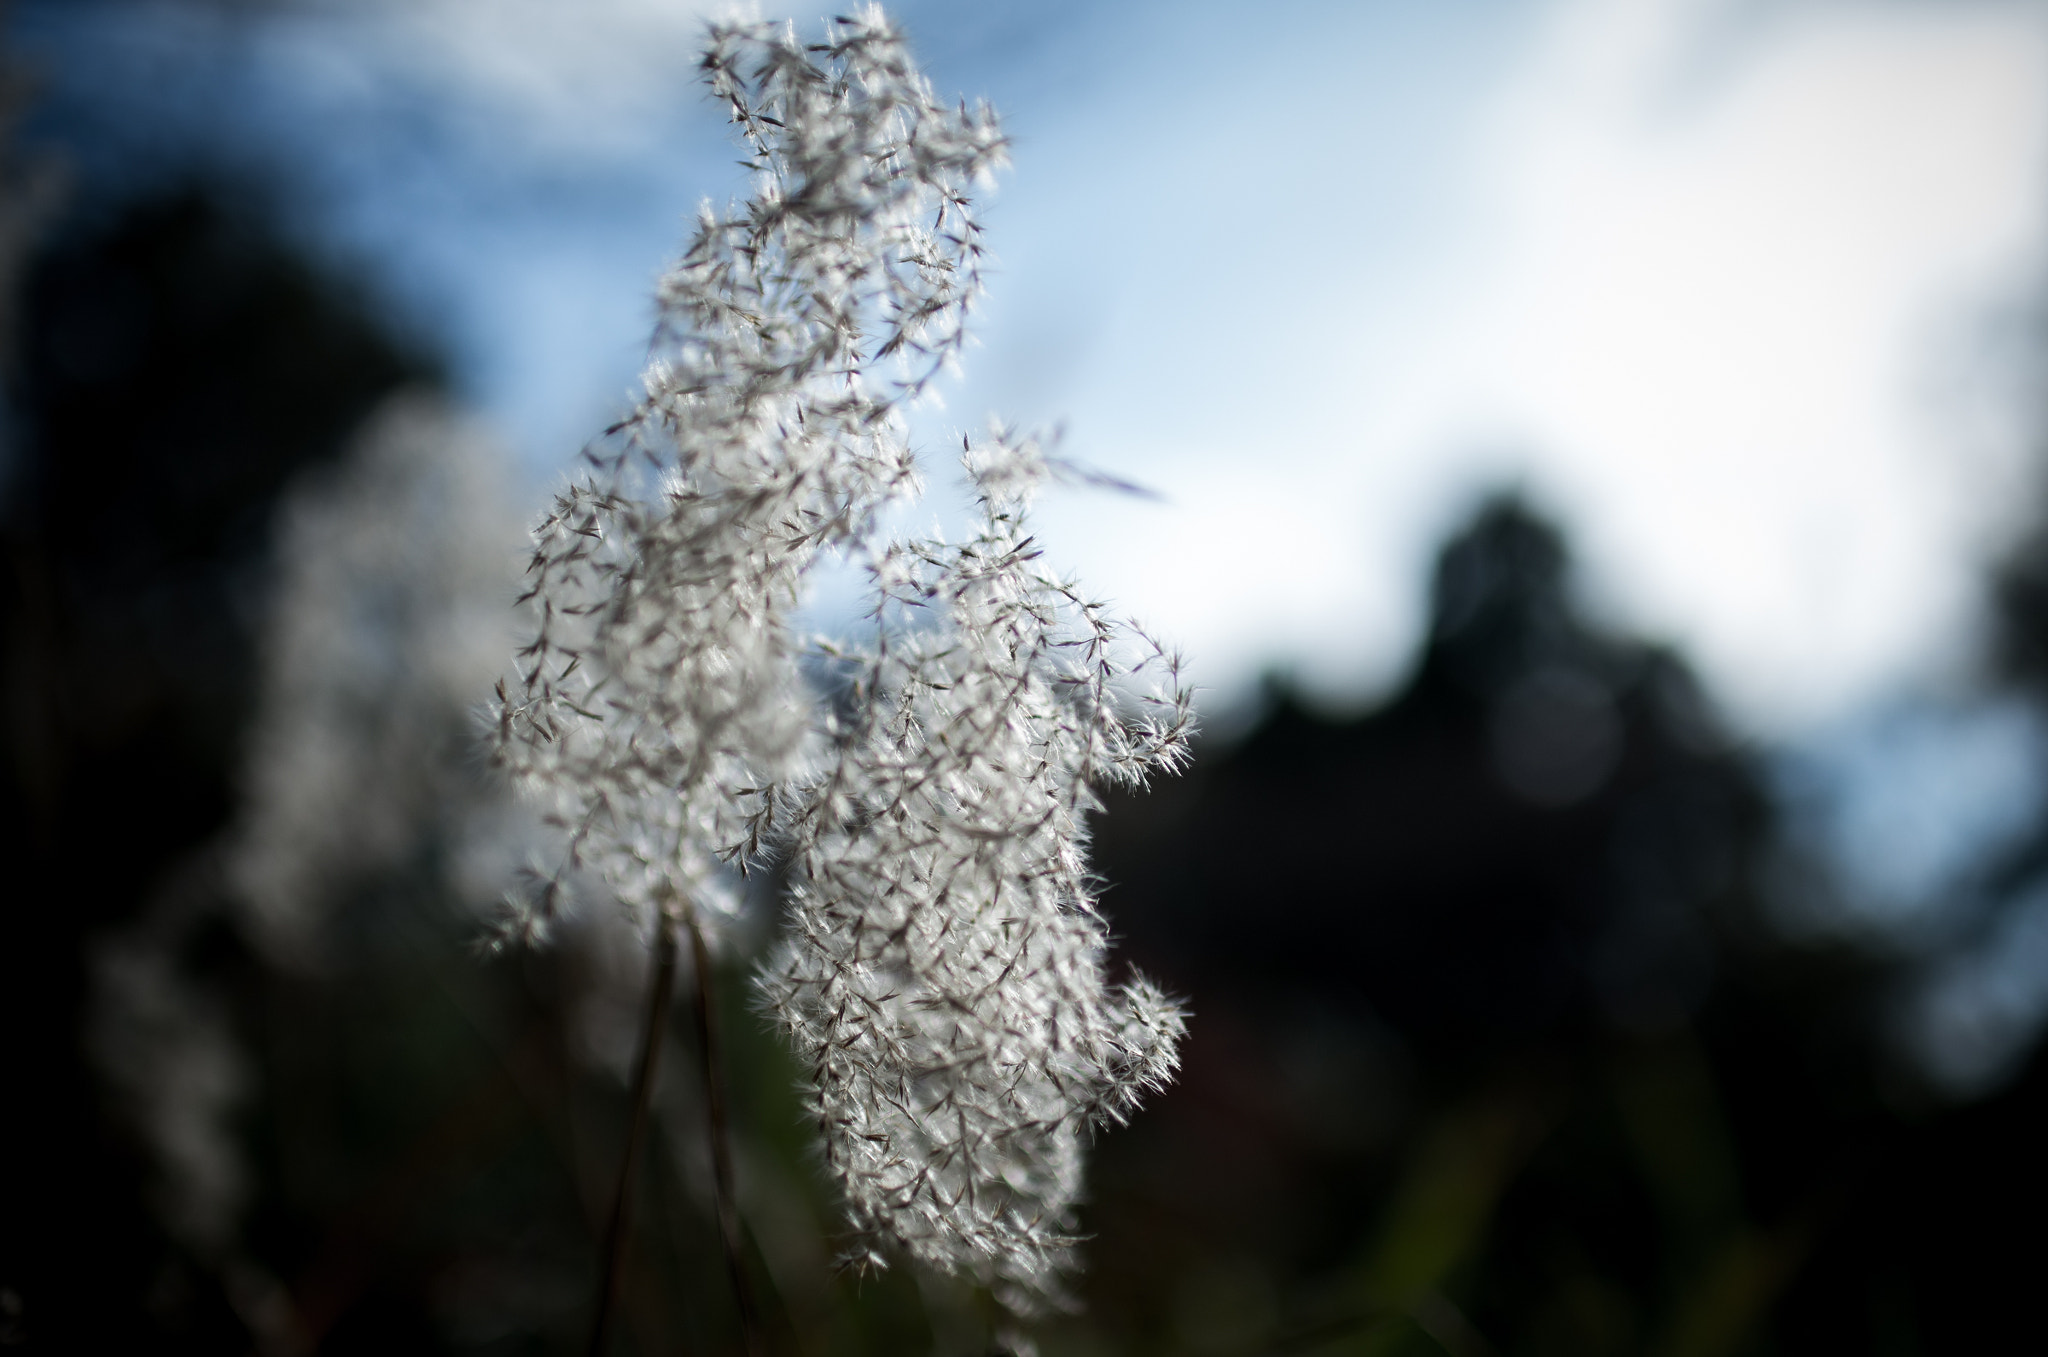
(1728, 286)
(1745, 292)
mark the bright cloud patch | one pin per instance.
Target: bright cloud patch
(1711, 290)
(1730, 295)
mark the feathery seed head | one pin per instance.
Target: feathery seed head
(660, 696)
(942, 976)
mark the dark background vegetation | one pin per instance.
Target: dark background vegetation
(1496, 1046)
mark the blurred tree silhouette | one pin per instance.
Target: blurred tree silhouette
(1496, 1048)
(176, 367)
(1523, 845)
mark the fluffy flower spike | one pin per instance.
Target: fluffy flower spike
(659, 700)
(944, 975)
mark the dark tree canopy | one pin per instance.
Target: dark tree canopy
(177, 366)
(1493, 1033)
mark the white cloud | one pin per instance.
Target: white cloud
(1725, 308)
(1694, 282)
(564, 78)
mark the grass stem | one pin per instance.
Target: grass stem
(636, 1130)
(721, 1135)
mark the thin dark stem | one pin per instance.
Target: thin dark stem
(636, 1130)
(721, 1135)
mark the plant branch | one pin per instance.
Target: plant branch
(721, 1134)
(636, 1130)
